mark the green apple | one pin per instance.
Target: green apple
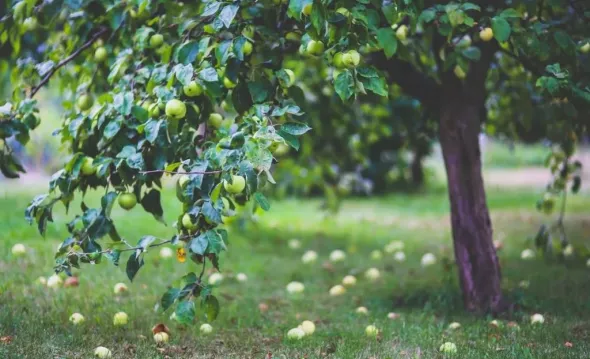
(307, 9)
(215, 120)
(315, 47)
(209, 29)
(87, 167)
(337, 60)
(248, 31)
(402, 32)
(193, 89)
(183, 180)
(30, 24)
(100, 55)
(127, 200)
(335, 73)
(188, 223)
(459, 72)
(293, 36)
(175, 109)
(237, 186)
(85, 102)
(156, 40)
(228, 83)
(486, 34)
(585, 48)
(351, 59)
(247, 48)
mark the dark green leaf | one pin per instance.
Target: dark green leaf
(113, 256)
(107, 202)
(134, 263)
(210, 213)
(344, 85)
(295, 128)
(227, 14)
(169, 297)
(501, 28)
(241, 98)
(211, 308)
(291, 140)
(136, 162)
(145, 242)
(262, 201)
(387, 41)
(510, 13)
(187, 53)
(140, 113)
(151, 203)
(211, 8)
(472, 53)
(185, 312)
(199, 244)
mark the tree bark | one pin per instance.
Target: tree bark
(475, 255)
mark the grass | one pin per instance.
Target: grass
(497, 154)
(427, 299)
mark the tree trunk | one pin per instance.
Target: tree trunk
(479, 270)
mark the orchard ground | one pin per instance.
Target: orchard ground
(34, 319)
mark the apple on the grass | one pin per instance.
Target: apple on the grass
(241, 277)
(337, 255)
(295, 334)
(215, 278)
(102, 353)
(206, 328)
(127, 200)
(372, 274)
(309, 257)
(295, 287)
(371, 331)
(337, 290)
(161, 337)
(175, 109)
(18, 250)
(448, 348)
(166, 253)
(349, 281)
(237, 186)
(120, 318)
(120, 288)
(308, 327)
(54, 281)
(362, 310)
(77, 318)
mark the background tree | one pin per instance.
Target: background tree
(155, 87)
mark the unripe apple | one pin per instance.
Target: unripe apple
(402, 32)
(295, 287)
(229, 84)
(175, 109)
(337, 290)
(54, 281)
(206, 328)
(486, 34)
(120, 318)
(295, 334)
(337, 255)
(351, 59)
(42, 281)
(315, 47)
(293, 36)
(237, 186)
(102, 353)
(156, 40)
(349, 281)
(120, 288)
(337, 60)
(241, 277)
(215, 120)
(183, 180)
(336, 73)
(100, 55)
(18, 250)
(188, 223)
(77, 318)
(85, 102)
(161, 337)
(127, 200)
(362, 310)
(30, 24)
(247, 48)
(193, 89)
(371, 331)
(585, 48)
(215, 278)
(209, 29)
(166, 253)
(372, 274)
(307, 9)
(448, 348)
(308, 327)
(87, 168)
(459, 72)
(464, 42)
(248, 31)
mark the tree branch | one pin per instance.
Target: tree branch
(413, 82)
(65, 61)
(181, 173)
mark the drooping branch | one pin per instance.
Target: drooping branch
(182, 173)
(65, 61)
(413, 82)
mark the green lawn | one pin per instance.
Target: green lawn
(427, 299)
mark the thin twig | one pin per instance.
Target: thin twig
(181, 173)
(126, 249)
(66, 61)
(203, 270)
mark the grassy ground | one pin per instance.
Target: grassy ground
(427, 299)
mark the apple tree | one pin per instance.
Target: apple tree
(205, 91)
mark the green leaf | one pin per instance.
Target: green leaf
(123, 102)
(472, 53)
(113, 256)
(210, 213)
(427, 16)
(391, 13)
(152, 129)
(136, 162)
(185, 312)
(377, 85)
(318, 17)
(260, 90)
(228, 13)
(211, 8)
(151, 203)
(344, 85)
(387, 41)
(134, 263)
(295, 128)
(211, 308)
(510, 13)
(209, 74)
(187, 53)
(565, 42)
(576, 184)
(113, 128)
(184, 73)
(107, 201)
(501, 28)
(262, 201)
(291, 140)
(169, 297)
(146, 241)
(140, 113)
(199, 244)
(241, 98)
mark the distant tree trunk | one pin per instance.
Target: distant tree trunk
(416, 168)
(479, 270)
